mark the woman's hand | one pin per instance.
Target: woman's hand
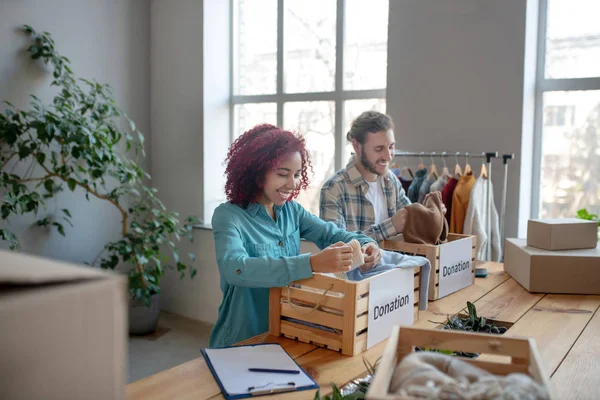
(335, 258)
(372, 256)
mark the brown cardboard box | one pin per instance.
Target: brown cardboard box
(63, 330)
(562, 234)
(544, 271)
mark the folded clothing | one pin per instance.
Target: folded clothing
(429, 375)
(391, 260)
(425, 223)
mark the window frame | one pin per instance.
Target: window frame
(338, 95)
(544, 85)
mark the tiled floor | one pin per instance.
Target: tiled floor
(176, 341)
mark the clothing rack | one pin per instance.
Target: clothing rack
(488, 156)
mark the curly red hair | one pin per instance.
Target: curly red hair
(256, 152)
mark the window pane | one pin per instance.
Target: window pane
(314, 120)
(249, 115)
(365, 44)
(309, 43)
(255, 47)
(352, 109)
(573, 39)
(570, 154)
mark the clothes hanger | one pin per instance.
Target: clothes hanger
(406, 169)
(457, 169)
(432, 169)
(483, 173)
(422, 165)
(468, 170)
(445, 171)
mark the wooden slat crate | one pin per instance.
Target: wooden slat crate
(522, 354)
(432, 253)
(338, 305)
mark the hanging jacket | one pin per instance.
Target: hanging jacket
(439, 184)
(415, 186)
(426, 188)
(460, 202)
(447, 193)
(476, 220)
(405, 183)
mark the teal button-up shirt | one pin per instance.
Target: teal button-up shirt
(255, 253)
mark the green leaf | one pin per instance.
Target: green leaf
(472, 311)
(72, 183)
(192, 256)
(76, 152)
(24, 151)
(193, 272)
(66, 212)
(41, 157)
(60, 228)
(43, 222)
(49, 185)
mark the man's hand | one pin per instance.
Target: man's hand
(372, 256)
(399, 220)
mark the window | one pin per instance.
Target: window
(567, 139)
(309, 66)
(559, 115)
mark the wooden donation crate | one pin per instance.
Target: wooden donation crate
(328, 312)
(458, 255)
(508, 355)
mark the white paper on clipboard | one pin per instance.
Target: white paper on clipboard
(231, 366)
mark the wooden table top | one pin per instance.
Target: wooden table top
(565, 327)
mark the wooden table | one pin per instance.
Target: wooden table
(565, 327)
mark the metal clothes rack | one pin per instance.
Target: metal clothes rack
(488, 156)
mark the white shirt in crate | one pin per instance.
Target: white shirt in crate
(476, 220)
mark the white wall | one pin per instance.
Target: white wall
(455, 83)
(180, 77)
(105, 40)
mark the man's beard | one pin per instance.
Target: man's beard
(369, 166)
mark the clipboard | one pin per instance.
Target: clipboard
(229, 366)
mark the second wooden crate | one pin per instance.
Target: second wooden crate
(336, 310)
(432, 253)
(522, 353)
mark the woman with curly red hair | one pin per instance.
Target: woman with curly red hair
(257, 232)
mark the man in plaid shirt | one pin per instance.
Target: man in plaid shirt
(366, 196)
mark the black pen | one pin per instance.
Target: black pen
(274, 371)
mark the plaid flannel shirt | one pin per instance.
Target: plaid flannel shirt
(344, 202)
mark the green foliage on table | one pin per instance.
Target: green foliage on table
(77, 143)
(358, 394)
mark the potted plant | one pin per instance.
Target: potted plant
(78, 143)
(585, 214)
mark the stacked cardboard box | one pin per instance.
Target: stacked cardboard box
(558, 256)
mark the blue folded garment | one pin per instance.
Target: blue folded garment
(390, 260)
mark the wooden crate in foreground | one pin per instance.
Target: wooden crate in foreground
(523, 353)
